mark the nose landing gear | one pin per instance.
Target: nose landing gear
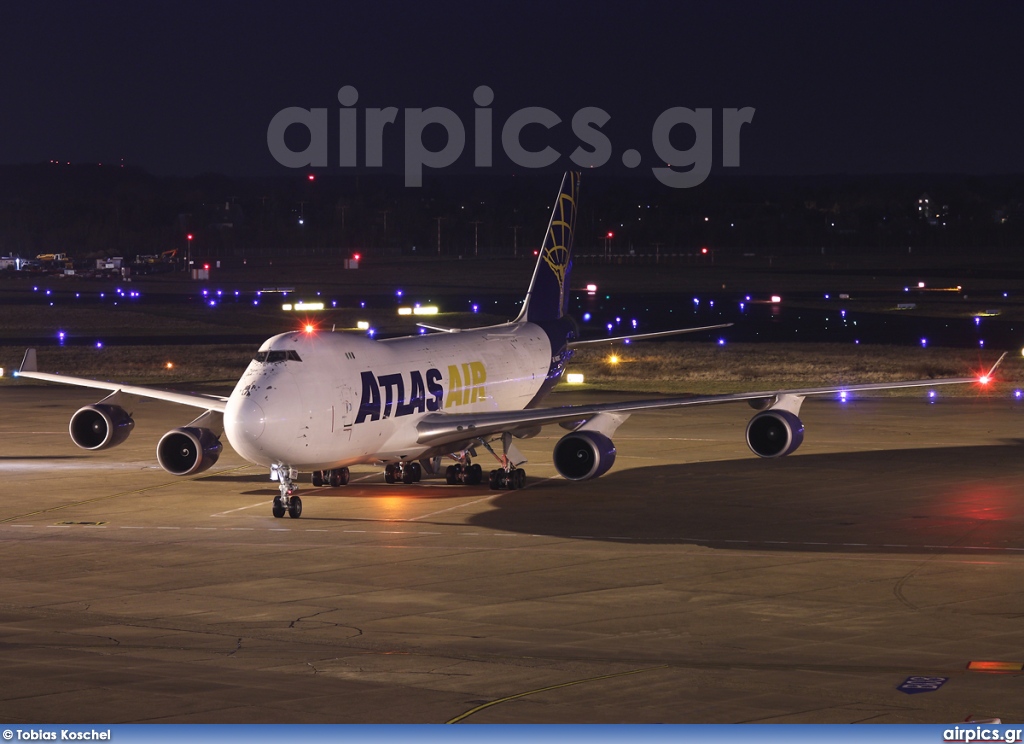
(287, 501)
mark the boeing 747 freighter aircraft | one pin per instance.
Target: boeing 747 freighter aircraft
(321, 402)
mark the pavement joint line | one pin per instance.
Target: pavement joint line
(506, 699)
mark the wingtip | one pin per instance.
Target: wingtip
(28, 362)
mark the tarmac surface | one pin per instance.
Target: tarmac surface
(692, 583)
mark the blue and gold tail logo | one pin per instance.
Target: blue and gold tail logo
(547, 299)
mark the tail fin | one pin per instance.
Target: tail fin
(548, 296)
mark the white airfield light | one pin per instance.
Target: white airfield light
(574, 378)
(307, 306)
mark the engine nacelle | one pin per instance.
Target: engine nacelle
(583, 455)
(774, 433)
(188, 450)
(100, 426)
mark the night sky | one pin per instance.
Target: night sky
(838, 87)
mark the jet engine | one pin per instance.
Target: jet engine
(188, 450)
(100, 426)
(774, 433)
(583, 455)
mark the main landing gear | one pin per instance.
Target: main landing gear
(403, 472)
(287, 501)
(333, 478)
(507, 478)
(466, 474)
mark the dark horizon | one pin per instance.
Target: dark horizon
(188, 88)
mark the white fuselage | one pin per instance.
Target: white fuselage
(316, 401)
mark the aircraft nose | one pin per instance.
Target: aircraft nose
(244, 423)
(249, 419)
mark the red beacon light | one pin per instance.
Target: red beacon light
(703, 251)
(311, 177)
(356, 256)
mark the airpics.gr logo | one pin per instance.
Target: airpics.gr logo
(681, 169)
(385, 395)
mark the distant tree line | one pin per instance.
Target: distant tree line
(93, 210)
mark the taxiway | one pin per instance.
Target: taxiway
(692, 583)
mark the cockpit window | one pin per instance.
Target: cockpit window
(271, 357)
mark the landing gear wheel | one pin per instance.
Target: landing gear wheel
(494, 480)
(451, 474)
(417, 471)
(279, 509)
(389, 474)
(318, 478)
(338, 477)
(294, 507)
(344, 475)
(475, 475)
(519, 478)
(407, 476)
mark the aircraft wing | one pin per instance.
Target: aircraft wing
(29, 371)
(440, 428)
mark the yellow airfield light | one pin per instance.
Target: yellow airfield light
(614, 359)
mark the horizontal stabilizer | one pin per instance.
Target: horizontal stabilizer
(642, 336)
(440, 329)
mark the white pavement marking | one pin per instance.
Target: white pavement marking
(241, 508)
